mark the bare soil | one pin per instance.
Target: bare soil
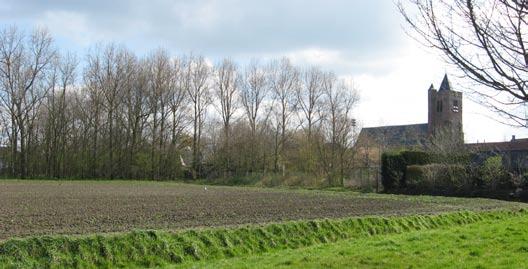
(78, 207)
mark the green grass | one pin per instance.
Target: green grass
(158, 248)
(491, 243)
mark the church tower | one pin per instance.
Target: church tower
(445, 111)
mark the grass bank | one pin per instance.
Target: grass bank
(159, 248)
(499, 243)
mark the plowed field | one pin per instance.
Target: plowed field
(79, 207)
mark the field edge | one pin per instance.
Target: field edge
(152, 248)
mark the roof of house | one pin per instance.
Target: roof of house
(513, 145)
(394, 136)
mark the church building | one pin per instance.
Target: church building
(444, 120)
(444, 117)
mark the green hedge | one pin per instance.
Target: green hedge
(438, 178)
(392, 170)
(394, 165)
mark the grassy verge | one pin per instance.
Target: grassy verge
(158, 248)
(488, 244)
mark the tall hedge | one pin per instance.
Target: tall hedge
(438, 178)
(392, 170)
(394, 164)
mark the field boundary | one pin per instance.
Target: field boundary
(160, 248)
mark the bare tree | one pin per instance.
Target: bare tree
(62, 79)
(226, 93)
(24, 64)
(178, 112)
(254, 88)
(93, 109)
(338, 125)
(485, 40)
(309, 96)
(284, 84)
(135, 113)
(197, 76)
(134, 117)
(161, 84)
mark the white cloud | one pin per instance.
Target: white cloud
(70, 24)
(197, 15)
(316, 56)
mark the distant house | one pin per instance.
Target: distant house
(514, 153)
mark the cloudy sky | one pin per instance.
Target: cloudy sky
(362, 40)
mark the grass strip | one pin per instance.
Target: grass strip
(485, 244)
(162, 248)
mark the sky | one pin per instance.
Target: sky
(362, 40)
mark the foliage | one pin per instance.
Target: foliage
(441, 170)
(157, 248)
(488, 244)
(394, 164)
(417, 157)
(493, 174)
(438, 178)
(448, 174)
(392, 170)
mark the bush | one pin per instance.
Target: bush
(392, 170)
(416, 175)
(394, 165)
(523, 181)
(438, 178)
(417, 157)
(494, 175)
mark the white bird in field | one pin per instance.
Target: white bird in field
(205, 188)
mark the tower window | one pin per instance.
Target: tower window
(439, 106)
(456, 109)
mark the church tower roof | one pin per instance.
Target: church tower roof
(432, 88)
(445, 86)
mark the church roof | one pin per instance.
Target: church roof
(432, 88)
(395, 136)
(445, 86)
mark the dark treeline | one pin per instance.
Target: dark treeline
(113, 114)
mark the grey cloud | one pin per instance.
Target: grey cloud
(233, 27)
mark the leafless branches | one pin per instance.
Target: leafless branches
(124, 116)
(486, 40)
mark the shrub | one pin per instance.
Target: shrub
(394, 166)
(417, 157)
(523, 181)
(416, 176)
(438, 178)
(392, 170)
(493, 174)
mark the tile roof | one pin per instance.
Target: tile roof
(514, 145)
(399, 135)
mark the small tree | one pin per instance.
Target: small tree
(493, 173)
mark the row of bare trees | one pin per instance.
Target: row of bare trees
(117, 115)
